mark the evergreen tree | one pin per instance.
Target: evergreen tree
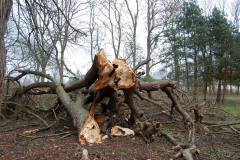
(221, 34)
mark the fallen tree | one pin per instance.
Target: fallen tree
(109, 77)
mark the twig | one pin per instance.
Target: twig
(18, 127)
(14, 103)
(147, 99)
(69, 134)
(228, 134)
(1, 115)
(202, 137)
(185, 95)
(70, 71)
(33, 137)
(234, 129)
(5, 123)
(219, 125)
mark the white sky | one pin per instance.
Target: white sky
(78, 59)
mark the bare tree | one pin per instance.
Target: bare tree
(5, 9)
(113, 14)
(157, 13)
(222, 5)
(33, 27)
(49, 30)
(66, 33)
(236, 12)
(134, 19)
(94, 27)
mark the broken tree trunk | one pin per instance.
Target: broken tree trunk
(88, 129)
(112, 76)
(118, 76)
(151, 131)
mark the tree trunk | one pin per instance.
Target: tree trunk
(148, 77)
(238, 87)
(210, 88)
(134, 43)
(224, 85)
(148, 42)
(205, 91)
(149, 28)
(231, 91)
(213, 88)
(186, 62)
(176, 65)
(195, 73)
(224, 91)
(218, 99)
(43, 72)
(205, 75)
(5, 9)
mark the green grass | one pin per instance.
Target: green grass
(234, 110)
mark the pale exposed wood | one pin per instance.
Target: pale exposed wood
(116, 74)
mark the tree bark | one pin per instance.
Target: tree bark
(195, 73)
(136, 114)
(224, 85)
(5, 9)
(218, 99)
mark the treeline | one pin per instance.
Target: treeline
(203, 50)
(195, 49)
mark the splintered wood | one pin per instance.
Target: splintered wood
(116, 74)
(90, 132)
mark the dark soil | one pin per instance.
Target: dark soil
(14, 146)
(61, 141)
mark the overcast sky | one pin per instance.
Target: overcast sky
(79, 59)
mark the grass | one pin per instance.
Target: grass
(232, 105)
(234, 110)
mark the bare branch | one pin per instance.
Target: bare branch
(141, 63)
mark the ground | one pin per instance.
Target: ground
(131, 147)
(61, 141)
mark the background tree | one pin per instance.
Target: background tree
(93, 27)
(235, 11)
(44, 31)
(33, 26)
(172, 36)
(221, 33)
(5, 9)
(192, 21)
(134, 20)
(113, 14)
